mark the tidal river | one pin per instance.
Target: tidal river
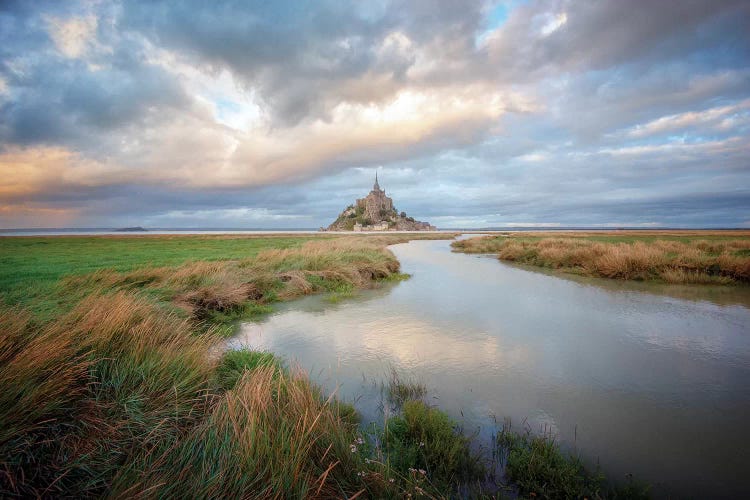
(642, 379)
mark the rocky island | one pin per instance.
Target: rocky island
(375, 212)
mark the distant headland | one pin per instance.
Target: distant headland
(375, 212)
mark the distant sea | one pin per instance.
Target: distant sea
(75, 231)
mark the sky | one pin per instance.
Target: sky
(258, 114)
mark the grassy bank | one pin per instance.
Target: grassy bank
(108, 385)
(31, 267)
(672, 257)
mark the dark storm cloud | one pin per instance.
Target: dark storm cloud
(600, 35)
(61, 100)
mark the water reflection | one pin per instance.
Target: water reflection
(651, 384)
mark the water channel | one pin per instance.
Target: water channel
(643, 379)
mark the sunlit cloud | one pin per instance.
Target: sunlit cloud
(717, 117)
(26, 171)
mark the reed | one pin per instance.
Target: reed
(402, 389)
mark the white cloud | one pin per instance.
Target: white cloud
(732, 144)
(74, 36)
(553, 23)
(717, 117)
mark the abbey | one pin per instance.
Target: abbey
(375, 212)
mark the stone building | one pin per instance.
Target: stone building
(376, 205)
(375, 212)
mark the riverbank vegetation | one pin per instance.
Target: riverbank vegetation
(710, 257)
(113, 381)
(539, 468)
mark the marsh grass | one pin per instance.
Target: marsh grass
(425, 443)
(397, 277)
(235, 363)
(684, 259)
(401, 388)
(270, 435)
(539, 468)
(221, 292)
(114, 375)
(109, 388)
(120, 398)
(31, 267)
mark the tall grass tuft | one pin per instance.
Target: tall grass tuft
(272, 435)
(401, 389)
(235, 363)
(424, 441)
(43, 377)
(113, 376)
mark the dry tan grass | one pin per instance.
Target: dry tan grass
(120, 324)
(673, 261)
(639, 233)
(203, 288)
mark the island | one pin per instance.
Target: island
(375, 212)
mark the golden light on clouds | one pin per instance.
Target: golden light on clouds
(26, 171)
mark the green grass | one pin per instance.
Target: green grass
(397, 277)
(424, 442)
(539, 468)
(30, 267)
(235, 363)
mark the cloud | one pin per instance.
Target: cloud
(720, 117)
(72, 37)
(477, 113)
